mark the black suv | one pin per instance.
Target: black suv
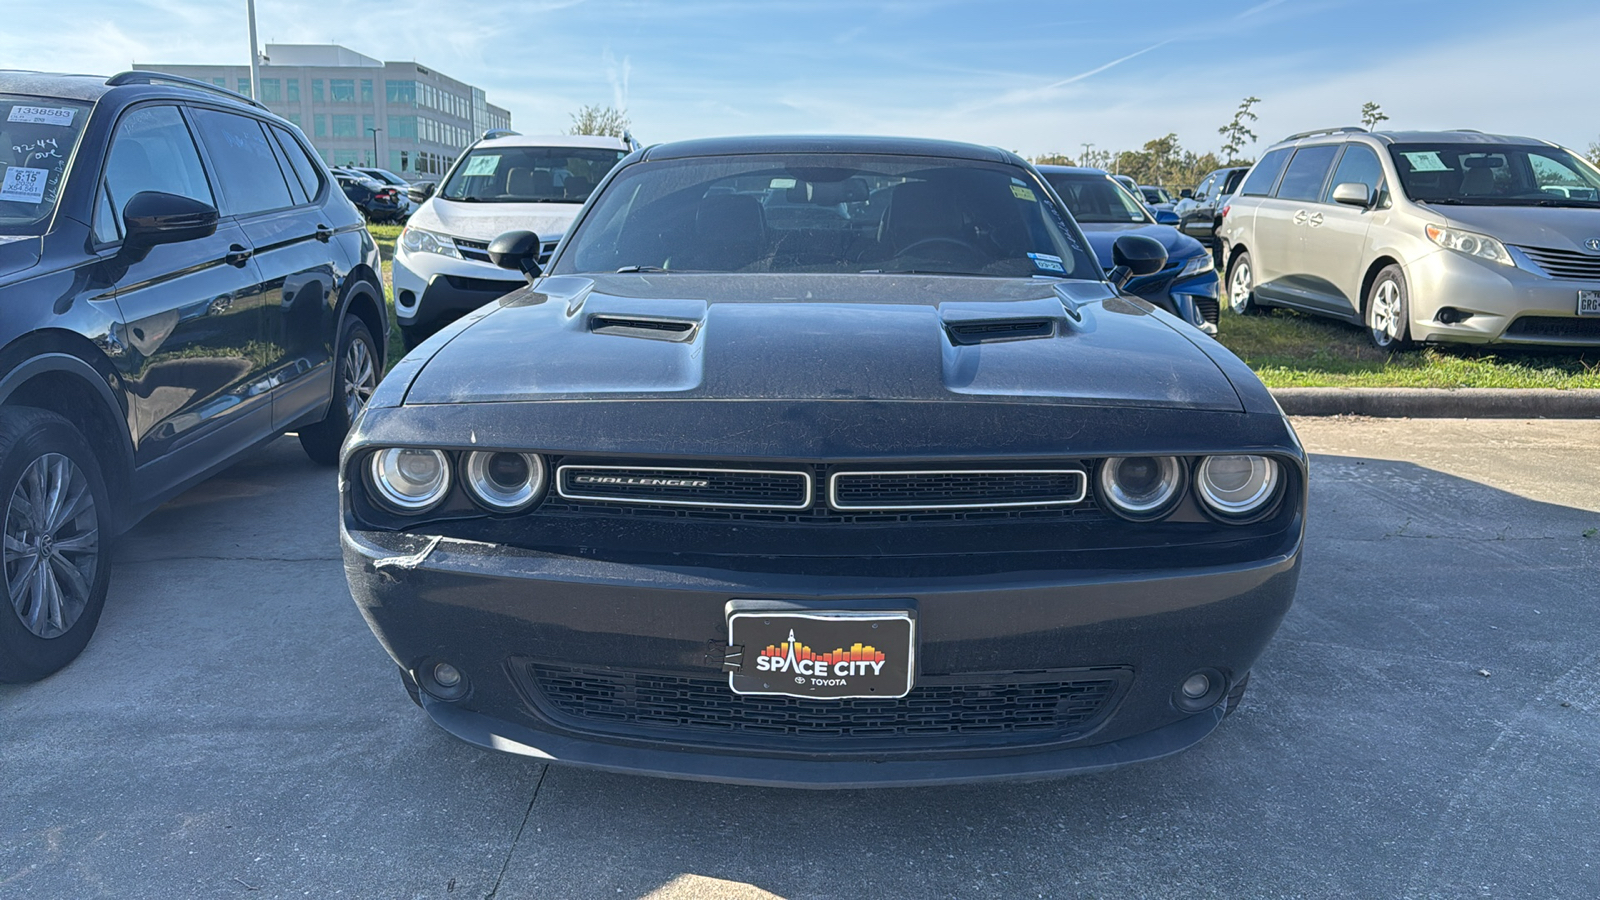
(180, 281)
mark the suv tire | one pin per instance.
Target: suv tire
(1241, 286)
(355, 377)
(56, 562)
(1388, 313)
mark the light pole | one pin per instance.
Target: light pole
(375, 163)
(255, 61)
(1085, 160)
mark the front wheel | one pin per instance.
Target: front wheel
(57, 551)
(1389, 311)
(1241, 286)
(355, 378)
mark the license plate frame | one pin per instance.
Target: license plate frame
(1589, 303)
(854, 640)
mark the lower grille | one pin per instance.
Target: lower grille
(482, 285)
(956, 489)
(1209, 309)
(976, 710)
(1565, 263)
(1555, 327)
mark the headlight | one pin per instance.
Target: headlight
(1237, 487)
(415, 240)
(1141, 487)
(409, 481)
(1198, 265)
(503, 482)
(1470, 243)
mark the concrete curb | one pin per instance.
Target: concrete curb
(1440, 403)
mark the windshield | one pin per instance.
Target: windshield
(1156, 195)
(1496, 175)
(827, 213)
(529, 174)
(1097, 200)
(37, 137)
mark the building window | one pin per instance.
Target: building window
(220, 82)
(293, 117)
(367, 125)
(293, 85)
(342, 90)
(403, 93)
(366, 90)
(403, 127)
(345, 126)
(244, 86)
(271, 90)
(316, 90)
(319, 125)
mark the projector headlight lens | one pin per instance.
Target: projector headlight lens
(1141, 487)
(409, 481)
(503, 481)
(1238, 486)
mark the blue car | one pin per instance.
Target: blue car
(1185, 287)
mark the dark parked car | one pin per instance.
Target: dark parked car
(867, 496)
(421, 191)
(180, 282)
(387, 178)
(1187, 286)
(1200, 214)
(377, 201)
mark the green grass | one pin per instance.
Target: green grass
(1288, 349)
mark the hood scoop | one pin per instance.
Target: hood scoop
(649, 327)
(989, 331)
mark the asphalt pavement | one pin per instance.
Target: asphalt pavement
(1425, 724)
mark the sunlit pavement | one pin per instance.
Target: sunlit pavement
(1425, 724)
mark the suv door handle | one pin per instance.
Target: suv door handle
(1300, 217)
(1316, 219)
(238, 256)
(324, 233)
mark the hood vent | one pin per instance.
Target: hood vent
(643, 327)
(991, 331)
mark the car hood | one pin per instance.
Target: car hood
(1103, 236)
(1529, 226)
(487, 221)
(821, 337)
(17, 254)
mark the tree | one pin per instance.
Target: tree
(1594, 152)
(1237, 132)
(1371, 115)
(1053, 159)
(606, 121)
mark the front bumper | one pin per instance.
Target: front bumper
(1504, 304)
(1193, 299)
(501, 615)
(430, 288)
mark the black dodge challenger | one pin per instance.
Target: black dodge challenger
(824, 462)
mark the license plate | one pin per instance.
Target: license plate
(1589, 303)
(823, 655)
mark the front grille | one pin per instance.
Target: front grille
(479, 250)
(1565, 263)
(1555, 327)
(997, 709)
(709, 487)
(958, 489)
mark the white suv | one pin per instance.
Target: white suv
(515, 183)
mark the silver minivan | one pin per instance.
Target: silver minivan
(1421, 236)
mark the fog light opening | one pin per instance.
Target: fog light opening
(1449, 315)
(1200, 690)
(442, 681)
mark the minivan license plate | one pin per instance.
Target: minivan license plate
(1589, 303)
(823, 655)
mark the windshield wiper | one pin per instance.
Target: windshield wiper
(645, 269)
(932, 272)
(1445, 201)
(1569, 202)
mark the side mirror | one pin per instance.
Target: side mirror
(154, 217)
(518, 251)
(1166, 217)
(1202, 224)
(1186, 194)
(1135, 255)
(1352, 193)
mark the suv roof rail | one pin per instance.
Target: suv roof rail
(627, 138)
(138, 76)
(1347, 129)
(493, 133)
(1466, 131)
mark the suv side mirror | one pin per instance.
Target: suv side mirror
(1165, 217)
(1352, 193)
(154, 217)
(1134, 255)
(1186, 193)
(518, 251)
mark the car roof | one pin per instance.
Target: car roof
(1072, 170)
(130, 86)
(53, 84)
(1464, 136)
(556, 140)
(818, 143)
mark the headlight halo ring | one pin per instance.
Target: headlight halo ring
(485, 490)
(388, 479)
(1256, 498)
(1117, 497)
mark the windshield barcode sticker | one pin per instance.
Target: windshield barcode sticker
(23, 185)
(41, 115)
(1047, 262)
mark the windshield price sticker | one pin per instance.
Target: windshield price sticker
(482, 165)
(1426, 161)
(41, 115)
(1047, 262)
(1022, 193)
(23, 185)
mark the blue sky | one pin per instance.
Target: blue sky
(1033, 77)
